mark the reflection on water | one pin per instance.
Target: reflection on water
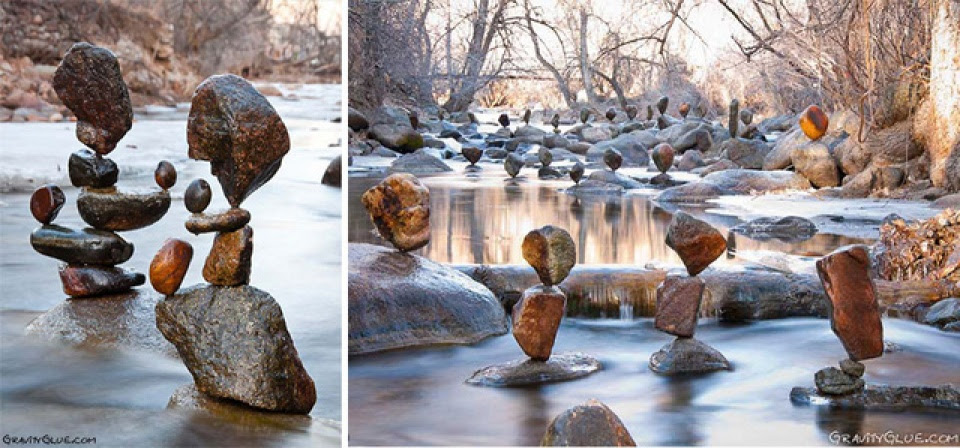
(482, 219)
(419, 396)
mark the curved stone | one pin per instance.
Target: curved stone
(125, 320)
(88, 169)
(197, 196)
(46, 203)
(883, 397)
(86, 281)
(109, 209)
(87, 246)
(551, 252)
(400, 300)
(235, 128)
(227, 221)
(418, 162)
(170, 265)
(688, 355)
(90, 84)
(526, 372)
(230, 259)
(589, 424)
(399, 207)
(234, 341)
(614, 178)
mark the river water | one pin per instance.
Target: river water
(120, 396)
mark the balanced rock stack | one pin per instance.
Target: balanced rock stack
(679, 297)
(232, 337)
(89, 83)
(662, 155)
(536, 318)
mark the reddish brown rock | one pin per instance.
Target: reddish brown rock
(697, 243)
(814, 122)
(89, 169)
(86, 281)
(589, 424)
(678, 305)
(400, 208)
(230, 258)
(536, 319)
(852, 306)
(165, 175)
(46, 202)
(228, 221)
(90, 84)
(663, 156)
(551, 252)
(170, 265)
(684, 109)
(235, 128)
(472, 154)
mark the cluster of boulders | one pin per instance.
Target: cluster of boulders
(231, 336)
(679, 296)
(88, 81)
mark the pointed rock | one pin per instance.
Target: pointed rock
(852, 305)
(697, 243)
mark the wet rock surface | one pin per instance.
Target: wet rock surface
(109, 209)
(235, 343)
(687, 356)
(512, 164)
(589, 424)
(197, 196)
(853, 309)
(678, 305)
(230, 259)
(235, 128)
(170, 265)
(788, 228)
(87, 246)
(697, 243)
(85, 281)
(226, 221)
(834, 381)
(399, 207)
(400, 300)
(332, 176)
(882, 397)
(125, 320)
(87, 169)
(614, 178)
(527, 372)
(46, 203)
(400, 138)
(90, 84)
(188, 398)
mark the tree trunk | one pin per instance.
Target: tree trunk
(944, 133)
(562, 83)
(586, 68)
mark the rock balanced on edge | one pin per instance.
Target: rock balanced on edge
(399, 207)
(232, 337)
(679, 298)
(90, 84)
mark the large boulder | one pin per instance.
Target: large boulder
(815, 162)
(854, 312)
(356, 120)
(750, 181)
(631, 147)
(400, 138)
(589, 424)
(400, 208)
(779, 157)
(400, 300)
(234, 341)
(748, 154)
(851, 156)
(418, 162)
(235, 128)
(687, 356)
(693, 192)
(597, 133)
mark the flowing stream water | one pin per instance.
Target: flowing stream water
(120, 396)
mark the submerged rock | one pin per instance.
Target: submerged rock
(109, 209)
(536, 320)
(87, 246)
(125, 320)
(589, 424)
(882, 397)
(788, 228)
(526, 372)
(234, 341)
(687, 355)
(614, 178)
(400, 300)
(188, 398)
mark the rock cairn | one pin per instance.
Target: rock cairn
(231, 336)
(89, 83)
(679, 296)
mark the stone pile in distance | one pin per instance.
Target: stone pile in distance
(89, 82)
(679, 297)
(231, 336)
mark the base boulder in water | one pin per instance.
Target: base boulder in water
(688, 355)
(526, 372)
(589, 424)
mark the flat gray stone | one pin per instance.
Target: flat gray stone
(525, 372)
(883, 397)
(688, 355)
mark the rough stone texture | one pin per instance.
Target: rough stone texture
(576, 172)
(589, 424)
(833, 381)
(235, 128)
(121, 320)
(678, 305)
(691, 159)
(882, 397)
(197, 196)
(526, 372)
(612, 158)
(234, 341)
(632, 148)
(748, 154)
(88, 169)
(852, 368)
(188, 398)
(399, 138)
(815, 162)
(230, 258)
(780, 156)
(227, 221)
(87, 246)
(472, 154)
(512, 164)
(333, 175)
(663, 157)
(595, 188)
(85, 281)
(46, 203)
(170, 265)
(165, 175)
(545, 156)
(687, 355)
(90, 84)
(419, 162)
(400, 300)
(854, 313)
(814, 122)
(536, 320)
(109, 209)
(399, 206)
(551, 252)
(788, 228)
(697, 243)
(694, 192)
(356, 120)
